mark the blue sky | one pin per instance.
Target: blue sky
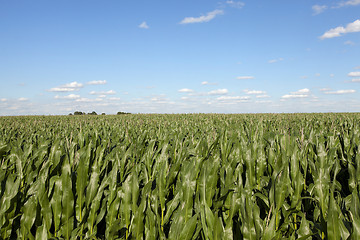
(187, 56)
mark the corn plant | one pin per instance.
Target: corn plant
(186, 176)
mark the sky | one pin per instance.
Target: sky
(179, 56)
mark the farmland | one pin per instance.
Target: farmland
(186, 176)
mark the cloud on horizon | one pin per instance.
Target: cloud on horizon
(245, 77)
(69, 87)
(97, 82)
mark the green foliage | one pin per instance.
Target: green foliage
(122, 113)
(194, 176)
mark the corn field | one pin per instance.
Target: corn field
(189, 176)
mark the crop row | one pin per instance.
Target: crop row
(264, 176)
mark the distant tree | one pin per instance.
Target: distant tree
(121, 113)
(92, 113)
(70, 114)
(103, 114)
(78, 113)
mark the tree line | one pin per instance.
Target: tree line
(94, 113)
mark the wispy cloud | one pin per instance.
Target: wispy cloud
(207, 83)
(294, 96)
(114, 98)
(263, 101)
(69, 87)
(245, 77)
(110, 92)
(354, 74)
(349, 3)
(263, 96)
(225, 98)
(317, 9)
(143, 25)
(348, 91)
(185, 90)
(70, 96)
(3, 100)
(22, 99)
(339, 31)
(302, 93)
(254, 91)
(355, 80)
(349, 43)
(275, 60)
(235, 4)
(218, 92)
(204, 18)
(97, 82)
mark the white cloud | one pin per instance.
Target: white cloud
(161, 99)
(97, 82)
(355, 80)
(204, 18)
(349, 43)
(3, 100)
(22, 99)
(262, 96)
(110, 92)
(70, 96)
(233, 98)
(275, 60)
(254, 91)
(245, 77)
(325, 89)
(294, 96)
(339, 31)
(73, 85)
(143, 25)
(263, 101)
(332, 75)
(218, 92)
(302, 93)
(185, 90)
(84, 100)
(349, 3)
(317, 9)
(69, 87)
(61, 89)
(235, 4)
(341, 91)
(114, 98)
(354, 74)
(207, 83)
